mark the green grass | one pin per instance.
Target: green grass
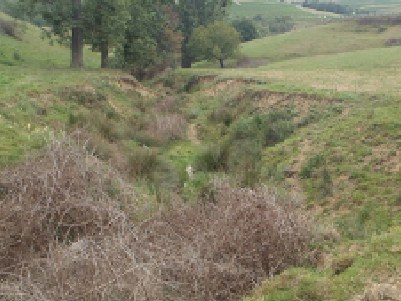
(336, 37)
(270, 10)
(366, 60)
(35, 52)
(29, 68)
(372, 261)
(357, 149)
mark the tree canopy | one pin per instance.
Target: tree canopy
(142, 32)
(104, 24)
(195, 13)
(246, 28)
(150, 35)
(216, 41)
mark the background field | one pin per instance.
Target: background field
(272, 9)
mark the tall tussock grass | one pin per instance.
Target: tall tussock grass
(65, 236)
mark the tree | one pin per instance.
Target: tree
(150, 35)
(246, 28)
(77, 36)
(216, 41)
(195, 13)
(104, 23)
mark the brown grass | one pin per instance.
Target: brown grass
(66, 236)
(9, 28)
(167, 127)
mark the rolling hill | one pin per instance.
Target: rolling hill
(314, 135)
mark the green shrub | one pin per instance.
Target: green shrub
(326, 184)
(312, 164)
(212, 157)
(221, 115)
(17, 56)
(142, 161)
(191, 84)
(268, 129)
(88, 98)
(244, 160)
(371, 219)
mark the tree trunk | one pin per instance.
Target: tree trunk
(186, 60)
(221, 63)
(104, 49)
(77, 41)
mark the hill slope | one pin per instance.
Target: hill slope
(318, 134)
(335, 37)
(32, 51)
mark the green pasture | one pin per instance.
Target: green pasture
(335, 37)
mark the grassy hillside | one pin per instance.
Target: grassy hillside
(343, 94)
(34, 52)
(331, 38)
(272, 9)
(30, 66)
(295, 184)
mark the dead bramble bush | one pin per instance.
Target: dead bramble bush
(213, 250)
(228, 245)
(56, 196)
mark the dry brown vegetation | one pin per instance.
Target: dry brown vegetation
(66, 235)
(167, 127)
(382, 20)
(9, 28)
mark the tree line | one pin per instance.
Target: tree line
(330, 7)
(139, 33)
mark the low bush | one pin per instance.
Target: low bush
(142, 161)
(55, 196)
(9, 28)
(268, 129)
(83, 95)
(212, 157)
(371, 219)
(311, 165)
(57, 209)
(230, 244)
(166, 127)
(326, 184)
(222, 115)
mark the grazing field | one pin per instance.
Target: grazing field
(270, 9)
(334, 37)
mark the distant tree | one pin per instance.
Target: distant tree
(195, 13)
(281, 24)
(328, 6)
(216, 41)
(246, 28)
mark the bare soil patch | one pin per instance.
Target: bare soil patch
(193, 134)
(268, 100)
